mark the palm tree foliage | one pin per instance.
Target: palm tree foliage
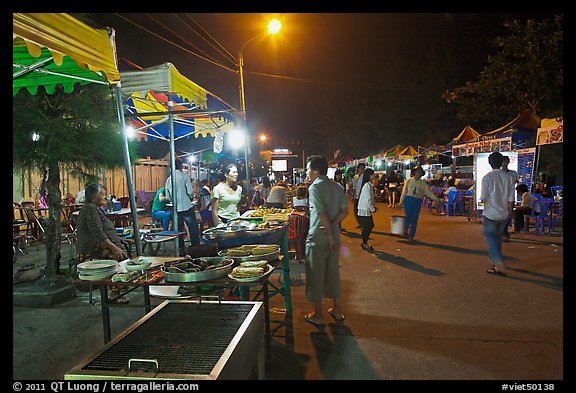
(77, 132)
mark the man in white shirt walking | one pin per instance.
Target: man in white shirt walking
(184, 207)
(498, 198)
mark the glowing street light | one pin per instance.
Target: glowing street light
(274, 27)
(236, 138)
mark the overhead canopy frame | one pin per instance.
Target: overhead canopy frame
(79, 52)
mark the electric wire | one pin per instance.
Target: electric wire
(176, 45)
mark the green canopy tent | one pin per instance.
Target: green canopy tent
(51, 49)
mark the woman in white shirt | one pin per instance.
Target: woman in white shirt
(300, 201)
(226, 197)
(366, 208)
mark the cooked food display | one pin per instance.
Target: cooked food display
(268, 225)
(248, 272)
(262, 264)
(196, 265)
(262, 211)
(251, 249)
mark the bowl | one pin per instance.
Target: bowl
(142, 263)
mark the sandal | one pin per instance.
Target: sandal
(310, 318)
(336, 317)
(493, 270)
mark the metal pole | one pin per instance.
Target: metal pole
(243, 109)
(125, 151)
(172, 173)
(535, 172)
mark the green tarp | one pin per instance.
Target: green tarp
(68, 74)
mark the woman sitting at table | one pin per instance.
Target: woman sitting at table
(96, 236)
(278, 196)
(300, 201)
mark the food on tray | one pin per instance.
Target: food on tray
(276, 217)
(262, 264)
(251, 249)
(235, 252)
(264, 211)
(196, 265)
(247, 272)
(264, 249)
(268, 225)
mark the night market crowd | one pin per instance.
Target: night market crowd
(324, 202)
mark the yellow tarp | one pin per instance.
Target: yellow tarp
(525, 119)
(64, 35)
(467, 134)
(408, 152)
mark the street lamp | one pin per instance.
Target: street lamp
(273, 28)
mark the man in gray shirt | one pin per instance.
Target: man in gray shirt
(184, 207)
(498, 198)
(328, 207)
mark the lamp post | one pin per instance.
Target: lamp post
(273, 28)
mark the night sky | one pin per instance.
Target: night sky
(318, 58)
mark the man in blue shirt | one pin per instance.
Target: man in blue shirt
(183, 206)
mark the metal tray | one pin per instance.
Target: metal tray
(204, 275)
(268, 257)
(224, 233)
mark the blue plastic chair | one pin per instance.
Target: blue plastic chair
(555, 190)
(453, 204)
(542, 220)
(558, 213)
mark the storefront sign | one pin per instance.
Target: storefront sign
(484, 146)
(550, 134)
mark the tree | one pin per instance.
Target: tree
(78, 132)
(525, 74)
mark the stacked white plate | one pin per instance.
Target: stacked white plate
(95, 270)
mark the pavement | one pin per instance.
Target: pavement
(414, 311)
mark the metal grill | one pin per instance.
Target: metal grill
(183, 338)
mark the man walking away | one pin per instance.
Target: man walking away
(497, 195)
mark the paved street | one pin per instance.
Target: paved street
(421, 311)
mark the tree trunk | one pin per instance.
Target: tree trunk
(53, 228)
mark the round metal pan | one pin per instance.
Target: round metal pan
(224, 233)
(204, 275)
(268, 257)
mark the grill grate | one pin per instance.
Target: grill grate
(183, 338)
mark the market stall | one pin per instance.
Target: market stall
(61, 50)
(164, 104)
